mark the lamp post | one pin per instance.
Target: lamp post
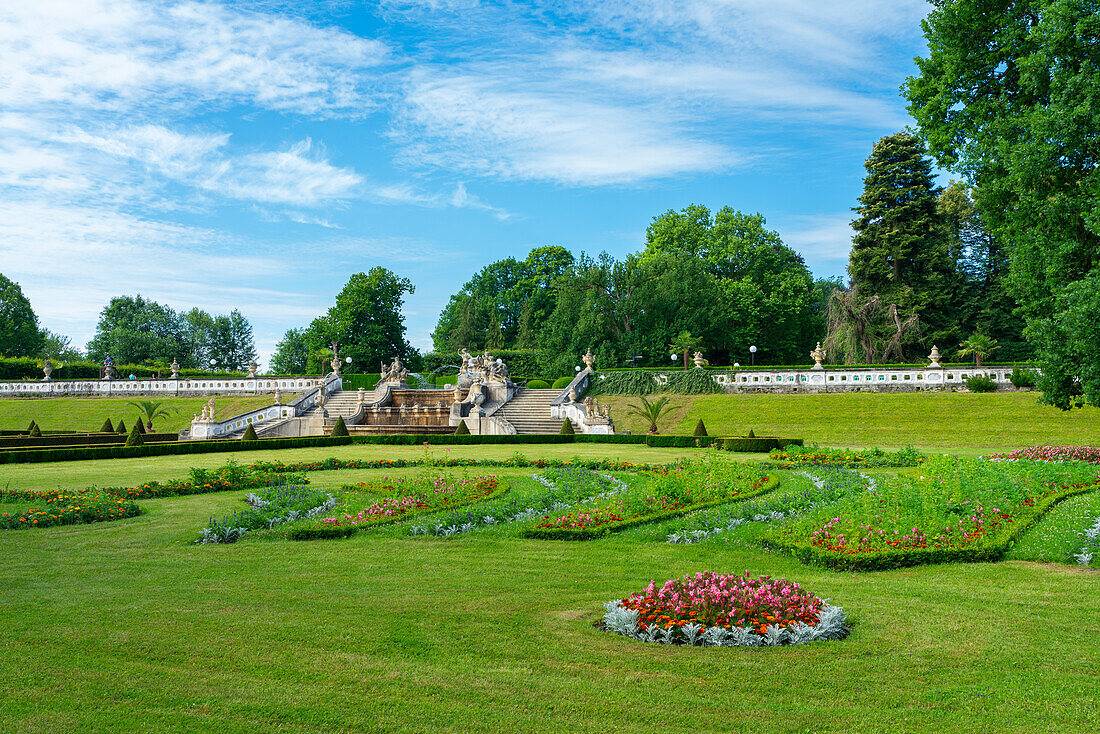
(212, 363)
(752, 351)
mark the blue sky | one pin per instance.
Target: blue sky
(254, 155)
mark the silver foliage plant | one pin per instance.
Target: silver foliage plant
(1092, 540)
(830, 626)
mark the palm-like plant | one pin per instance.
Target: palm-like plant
(151, 410)
(651, 412)
(683, 342)
(980, 345)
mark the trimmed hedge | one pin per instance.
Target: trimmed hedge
(538, 384)
(748, 444)
(28, 369)
(561, 383)
(593, 533)
(47, 440)
(989, 550)
(173, 448)
(321, 532)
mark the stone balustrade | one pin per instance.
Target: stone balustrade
(199, 386)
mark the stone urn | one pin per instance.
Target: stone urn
(47, 369)
(588, 358)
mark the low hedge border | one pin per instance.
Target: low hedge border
(308, 531)
(30, 443)
(170, 448)
(994, 550)
(747, 444)
(594, 533)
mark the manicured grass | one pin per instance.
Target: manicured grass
(968, 423)
(130, 472)
(88, 414)
(1059, 534)
(126, 627)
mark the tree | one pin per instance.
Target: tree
(766, 292)
(151, 410)
(981, 346)
(898, 251)
(291, 354)
(19, 332)
(58, 347)
(684, 342)
(1008, 96)
(135, 330)
(649, 412)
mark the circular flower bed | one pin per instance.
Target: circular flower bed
(715, 609)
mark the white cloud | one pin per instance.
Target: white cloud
(130, 55)
(824, 241)
(493, 123)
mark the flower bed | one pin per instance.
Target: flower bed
(1089, 454)
(662, 496)
(63, 507)
(796, 457)
(411, 496)
(957, 510)
(725, 610)
(517, 460)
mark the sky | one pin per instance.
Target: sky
(254, 155)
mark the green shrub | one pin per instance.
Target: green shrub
(121, 428)
(135, 439)
(139, 426)
(538, 384)
(32, 426)
(980, 383)
(341, 428)
(561, 383)
(321, 532)
(641, 382)
(463, 429)
(35, 432)
(692, 382)
(751, 434)
(700, 429)
(566, 428)
(1021, 377)
(107, 427)
(250, 434)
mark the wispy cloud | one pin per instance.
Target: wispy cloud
(824, 241)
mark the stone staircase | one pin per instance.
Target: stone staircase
(343, 402)
(529, 411)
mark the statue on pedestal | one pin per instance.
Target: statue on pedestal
(818, 354)
(396, 372)
(47, 369)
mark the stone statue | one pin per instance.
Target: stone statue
(396, 372)
(818, 354)
(699, 361)
(210, 409)
(934, 358)
(175, 367)
(47, 369)
(252, 367)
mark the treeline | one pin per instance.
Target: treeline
(723, 283)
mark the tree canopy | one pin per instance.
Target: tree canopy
(19, 332)
(1009, 96)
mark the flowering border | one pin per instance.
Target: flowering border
(770, 483)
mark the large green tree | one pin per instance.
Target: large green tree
(19, 332)
(505, 304)
(767, 295)
(1009, 96)
(134, 330)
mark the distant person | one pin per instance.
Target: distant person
(132, 376)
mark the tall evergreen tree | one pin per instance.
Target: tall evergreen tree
(898, 252)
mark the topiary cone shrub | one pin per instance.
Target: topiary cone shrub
(463, 429)
(107, 427)
(250, 434)
(700, 429)
(121, 428)
(32, 426)
(135, 439)
(341, 428)
(567, 428)
(140, 426)
(35, 432)
(751, 434)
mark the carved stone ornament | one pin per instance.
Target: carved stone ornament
(818, 354)
(588, 358)
(175, 367)
(47, 369)
(252, 367)
(934, 358)
(698, 359)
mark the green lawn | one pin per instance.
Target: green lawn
(127, 627)
(88, 414)
(970, 423)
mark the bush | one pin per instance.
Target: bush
(250, 434)
(566, 428)
(32, 426)
(139, 426)
(134, 439)
(321, 532)
(980, 383)
(538, 384)
(35, 432)
(700, 429)
(1021, 377)
(692, 382)
(341, 428)
(632, 383)
(107, 427)
(121, 429)
(561, 383)
(463, 429)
